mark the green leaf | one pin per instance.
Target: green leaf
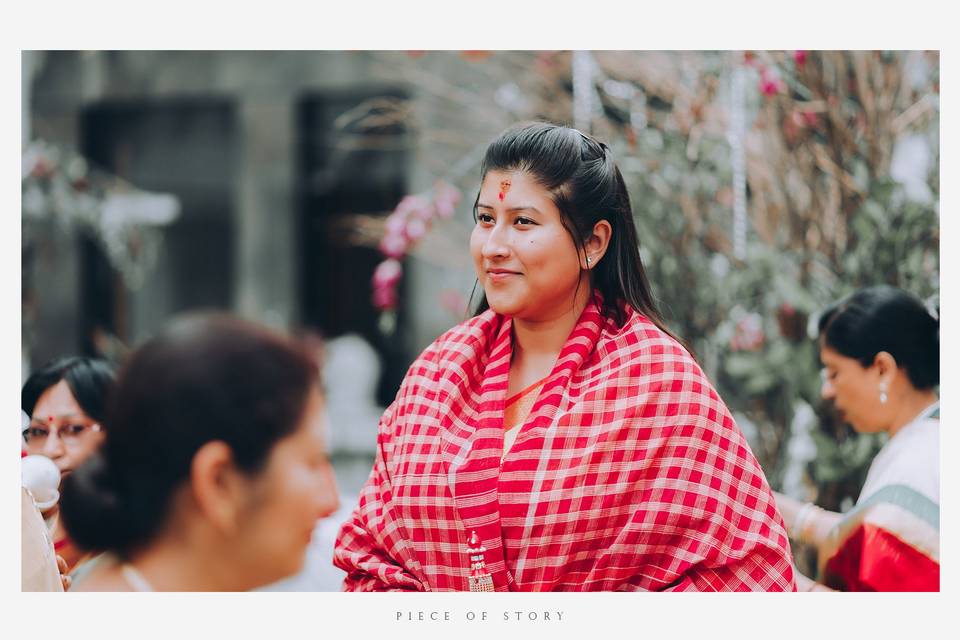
(741, 363)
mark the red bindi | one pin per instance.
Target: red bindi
(49, 418)
(504, 187)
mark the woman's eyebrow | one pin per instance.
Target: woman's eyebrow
(511, 209)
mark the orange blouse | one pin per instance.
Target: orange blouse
(515, 411)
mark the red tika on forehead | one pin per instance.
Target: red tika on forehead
(504, 187)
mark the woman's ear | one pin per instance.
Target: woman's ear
(886, 365)
(217, 486)
(596, 245)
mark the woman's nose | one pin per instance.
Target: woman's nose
(827, 391)
(495, 244)
(329, 494)
(53, 448)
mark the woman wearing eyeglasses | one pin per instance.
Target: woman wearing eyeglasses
(66, 402)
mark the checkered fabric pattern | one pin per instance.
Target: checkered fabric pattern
(628, 474)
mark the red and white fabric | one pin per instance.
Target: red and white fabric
(890, 541)
(628, 474)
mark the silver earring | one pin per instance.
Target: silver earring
(883, 394)
(588, 261)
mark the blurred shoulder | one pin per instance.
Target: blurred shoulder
(99, 573)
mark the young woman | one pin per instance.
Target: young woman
(562, 429)
(880, 349)
(66, 402)
(214, 472)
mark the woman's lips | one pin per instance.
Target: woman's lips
(501, 275)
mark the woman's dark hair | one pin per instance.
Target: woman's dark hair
(586, 186)
(207, 377)
(884, 318)
(89, 379)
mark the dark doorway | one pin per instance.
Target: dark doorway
(354, 150)
(185, 147)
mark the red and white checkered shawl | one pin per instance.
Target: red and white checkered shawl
(628, 474)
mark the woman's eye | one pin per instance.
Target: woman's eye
(75, 429)
(484, 218)
(524, 221)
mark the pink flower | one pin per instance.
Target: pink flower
(393, 245)
(385, 279)
(445, 209)
(770, 83)
(413, 205)
(395, 225)
(384, 298)
(810, 118)
(800, 57)
(387, 274)
(416, 229)
(445, 199)
(544, 62)
(425, 214)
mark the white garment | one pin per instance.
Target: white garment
(911, 457)
(38, 562)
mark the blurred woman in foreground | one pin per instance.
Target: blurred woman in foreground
(214, 473)
(880, 348)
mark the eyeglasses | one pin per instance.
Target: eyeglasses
(37, 434)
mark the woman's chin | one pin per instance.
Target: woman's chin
(504, 307)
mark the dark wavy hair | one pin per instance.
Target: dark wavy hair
(206, 377)
(885, 318)
(89, 379)
(586, 186)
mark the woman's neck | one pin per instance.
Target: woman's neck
(543, 338)
(177, 565)
(911, 405)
